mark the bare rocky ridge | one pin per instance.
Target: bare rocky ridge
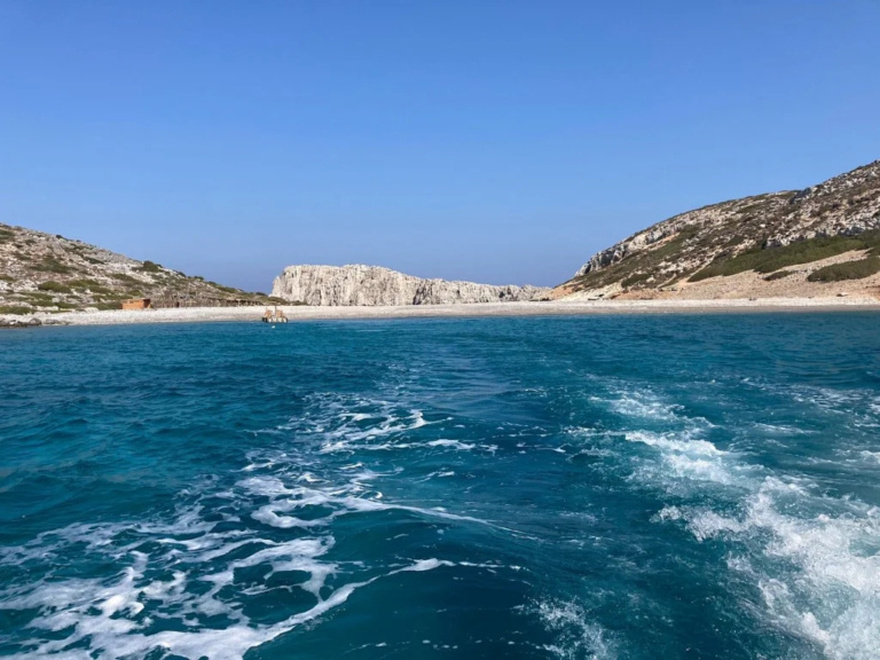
(688, 254)
(45, 272)
(374, 285)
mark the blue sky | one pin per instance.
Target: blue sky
(495, 141)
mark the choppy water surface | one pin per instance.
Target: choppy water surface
(597, 487)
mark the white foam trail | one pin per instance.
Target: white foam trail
(576, 636)
(827, 587)
(677, 443)
(637, 404)
(780, 429)
(194, 573)
(105, 617)
(347, 445)
(425, 565)
(814, 559)
(339, 502)
(685, 457)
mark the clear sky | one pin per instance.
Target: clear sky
(495, 141)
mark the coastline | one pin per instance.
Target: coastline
(511, 309)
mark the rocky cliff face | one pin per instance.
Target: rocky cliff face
(719, 240)
(373, 285)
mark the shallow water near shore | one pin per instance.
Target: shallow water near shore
(567, 487)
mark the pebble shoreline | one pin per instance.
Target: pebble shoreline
(544, 308)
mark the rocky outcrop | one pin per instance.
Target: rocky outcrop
(683, 247)
(17, 322)
(374, 285)
(42, 272)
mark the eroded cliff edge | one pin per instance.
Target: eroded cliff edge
(375, 285)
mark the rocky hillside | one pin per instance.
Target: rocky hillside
(373, 285)
(42, 272)
(798, 240)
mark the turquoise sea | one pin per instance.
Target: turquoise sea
(583, 487)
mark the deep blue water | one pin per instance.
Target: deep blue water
(608, 487)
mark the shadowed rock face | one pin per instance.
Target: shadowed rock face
(374, 285)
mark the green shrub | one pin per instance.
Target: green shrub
(768, 260)
(56, 287)
(103, 306)
(15, 309)
(51, 265)
(150, 267)
(91, 285)
(126, 278)
(38, 299)
(634, 279)
(6, 235)
(848, 270)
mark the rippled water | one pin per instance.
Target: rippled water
(595, 487)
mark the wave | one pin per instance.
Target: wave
(576, 636)
(187, 585)
(686, 462)
(815, 561)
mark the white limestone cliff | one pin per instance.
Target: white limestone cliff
(374, 285)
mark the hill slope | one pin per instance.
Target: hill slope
(783, 243)
(42, 272)
(374, 285)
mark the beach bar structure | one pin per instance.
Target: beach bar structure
(137, 303)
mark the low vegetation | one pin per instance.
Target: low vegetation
(150, 267)
(47, 272)
(848, 270)
(125, 278)
(15, 309)
(745, 235)
(772, 259)
(634, 279)
(55, 287)
(51, 264)
(38, 299)
(90, 285)
(642, 266)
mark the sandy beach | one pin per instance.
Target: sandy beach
(546, 308)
